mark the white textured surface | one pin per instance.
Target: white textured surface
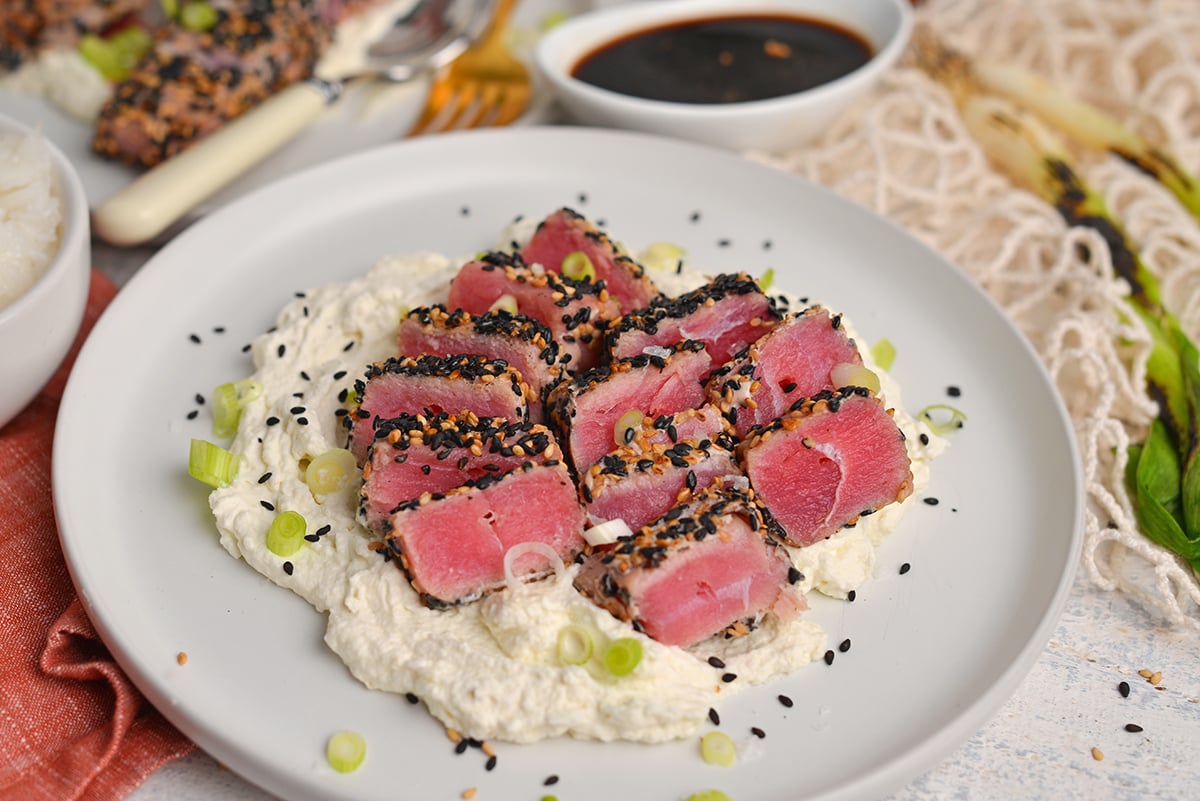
(1037, 747)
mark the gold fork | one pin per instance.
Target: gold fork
(486, 85)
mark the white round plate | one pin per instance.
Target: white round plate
(936, 650)
(367, 116)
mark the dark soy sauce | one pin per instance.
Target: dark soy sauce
(725, 59)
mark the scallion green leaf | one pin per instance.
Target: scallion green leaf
(716, 748)
(211, 463)
(345, 751)
(331, 471)
(622, 656)
(884, 354)
(286, 533)
(578, 267)
(198, 16)
(942, 418)
(228, 400)
(575, 644)
(709, 795)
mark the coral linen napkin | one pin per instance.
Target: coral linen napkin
(72, 725)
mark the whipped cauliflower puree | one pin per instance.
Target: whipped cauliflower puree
(490, 668)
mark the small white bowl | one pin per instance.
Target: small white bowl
(37, 329)
(773, 125)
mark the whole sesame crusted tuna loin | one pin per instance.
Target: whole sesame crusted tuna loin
(576, 312)
(703, 568)
(793, 361)
(431, 384)
(585, 412)
(565, 232)
(415, 454)
(727, 314)
(452, 545)
(639, 486)
(829, 460)
(523, 343)
(191, 82)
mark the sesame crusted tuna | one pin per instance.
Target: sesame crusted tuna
(525, 344)
(705, 422)
(565, 232)
(415, 454)
(793, 361)
(727, 314)
(452, 545)
(704, 567)
(585, 412)
(576, 312)
(827, 461)
(432, 384)
(29, 25)
(638, 486)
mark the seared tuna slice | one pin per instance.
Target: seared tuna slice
(565, 232)
(585, 412)
(525, 344)
(793, 361)
(29, 25)
(412, 455)
(827, 461)
(432, 384)
(452, 544)
(705, 422)
(640, 486)
(576, 312)
(726, 314)
(703, 568)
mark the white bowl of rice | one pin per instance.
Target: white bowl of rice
(45, 258)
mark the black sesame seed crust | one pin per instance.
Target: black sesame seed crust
(632, 460)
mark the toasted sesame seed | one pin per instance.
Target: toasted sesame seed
(1145, 674)
(453, 735)
(786, 701)
(1155, 678)
(181, 658)
(468, 793)
(1097, 754)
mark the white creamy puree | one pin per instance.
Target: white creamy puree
(488, 669)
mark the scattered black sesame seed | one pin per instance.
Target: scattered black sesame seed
(757, 732)
(844, 645)
(218, 329)
(348, 346)
(829, 657)
(302, 421)
(461, 747)
(297, 410)
(264, 478)
(193, 414)
(300, 293)
(465, 211)
(953, 391)
(491, 763)
(723, 243)
(412, 698)
(1133, 728)
(323, 530)
(288, 568)
(924, 438)
(312, 538)
(788, 702)
(304, 375)
(695, 216)
(931, 501)
(714, 717)
(716, 662)
(582, 198)
(199, 399)
(272, 421)
(551, 780)
(767, 244)
(728, 677)
(270, 507)
(1123, 689)
(850, 596)
(246, 348)
(339, 375)
(282, 349)
(195, 338)
(904, 568)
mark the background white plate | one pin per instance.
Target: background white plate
(935, 651)
(367, 116)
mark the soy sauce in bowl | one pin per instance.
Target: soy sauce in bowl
(725, 59)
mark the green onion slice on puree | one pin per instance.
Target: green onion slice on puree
(575, 644)
(345, 751)
(330, 471)
(622, 656)
(286, 534)
(211, 463)
(942, 418)
(662, 257)
(228, 400)
(884, 354)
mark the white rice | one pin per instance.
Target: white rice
(31, 213)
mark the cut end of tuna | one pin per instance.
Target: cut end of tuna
(452, 545)
(701, 569)
(565, 232)
(829, 460)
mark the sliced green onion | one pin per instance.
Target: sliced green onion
(854, 375)
(575, 644)
(629, 422)
(768, 280)
(942, 418)
(578, 267)
(198, 16)
(286, 534)
(331, 471)
(211, 463)
(228, 400)
(884, 354)
(622, 656)
(717, 748)
(346, 751)
(709, 795)
(663, 257)
(170, 8)
(101, 55)
(505, 302)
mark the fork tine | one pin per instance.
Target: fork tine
(516, 98)
(490, 96)
(464, 101)
(440, 95)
